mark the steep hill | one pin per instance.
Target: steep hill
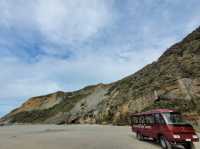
(171, 82)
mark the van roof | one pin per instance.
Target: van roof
(154, 111)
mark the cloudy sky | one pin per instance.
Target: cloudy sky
(51, 45)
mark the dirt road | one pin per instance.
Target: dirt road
(71, 137)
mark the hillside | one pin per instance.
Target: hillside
(173, 81)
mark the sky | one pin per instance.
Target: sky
(52, 45)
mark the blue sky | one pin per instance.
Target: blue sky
(51, 45)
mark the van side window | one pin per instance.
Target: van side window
(141, 120)
(159, 119)
(162, 121)
(149, 119)
(135, 120)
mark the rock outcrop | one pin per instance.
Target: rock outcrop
(171, 82)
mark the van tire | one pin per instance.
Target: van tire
(139, 136)
(165, 143)
(189, 145)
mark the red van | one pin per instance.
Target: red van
(164, 125)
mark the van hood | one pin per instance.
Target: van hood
(182, 128)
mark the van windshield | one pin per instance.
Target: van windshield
(174, 118)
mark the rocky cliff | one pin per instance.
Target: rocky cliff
(173, 81)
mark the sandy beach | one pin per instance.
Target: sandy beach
(71, 137)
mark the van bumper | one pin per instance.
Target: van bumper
(183, 141)
(184, 138)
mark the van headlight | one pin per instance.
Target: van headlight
(176, 136)
(195, 137)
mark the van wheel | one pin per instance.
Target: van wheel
(189, 146)
(165, 143)
(139, 136)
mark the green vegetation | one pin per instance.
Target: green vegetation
(179, 105)
(30, 117)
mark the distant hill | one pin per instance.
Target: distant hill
(171, 82)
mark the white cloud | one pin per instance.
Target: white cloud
(23, 80)
(17, 14)
(72, 20)
(59, 21)
(49, 74)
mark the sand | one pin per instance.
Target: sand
(71, 137)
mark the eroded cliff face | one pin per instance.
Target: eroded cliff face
(171, 82)
(41, 102)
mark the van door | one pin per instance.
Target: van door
(141, 125)
(149, 127)
(159, 125)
